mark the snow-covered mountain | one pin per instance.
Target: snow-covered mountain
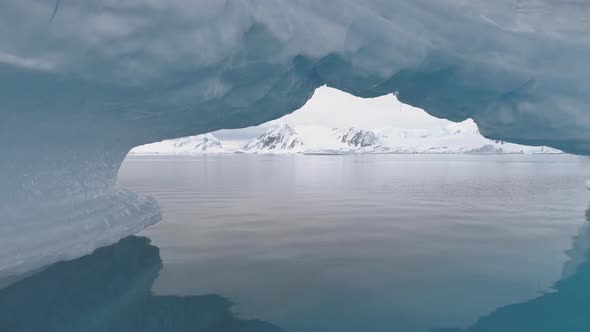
(318, 139)
(336, 122)
(461, 137)
(357, 138)
(206, 143)
(278, 139)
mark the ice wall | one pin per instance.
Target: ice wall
(81, 82)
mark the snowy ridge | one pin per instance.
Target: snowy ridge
(359, 140)
(206, 143)
(376, 125)
(278, 139)
(463, 137)
(457, 138)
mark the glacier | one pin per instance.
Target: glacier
(83, 82)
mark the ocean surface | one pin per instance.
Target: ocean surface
(320, 243)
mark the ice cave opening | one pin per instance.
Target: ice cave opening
(81, 86)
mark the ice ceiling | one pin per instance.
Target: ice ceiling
(81, 82)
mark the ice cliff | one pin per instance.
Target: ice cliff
(82, 82)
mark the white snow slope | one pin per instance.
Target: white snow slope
(461, 137)
(333, 121)
(206, 143)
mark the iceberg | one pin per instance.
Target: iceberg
(83, 82)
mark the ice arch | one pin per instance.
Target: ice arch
(81, 82)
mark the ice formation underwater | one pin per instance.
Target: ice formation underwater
(82, 82)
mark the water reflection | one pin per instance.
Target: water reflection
(110, 290)
(565, 309)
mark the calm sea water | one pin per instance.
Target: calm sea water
(335, 243)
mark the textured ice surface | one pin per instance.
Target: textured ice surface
(82, 85)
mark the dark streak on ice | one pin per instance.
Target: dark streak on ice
(54, 11)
